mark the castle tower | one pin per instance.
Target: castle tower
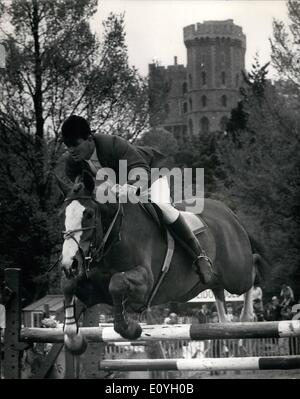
(215, 59)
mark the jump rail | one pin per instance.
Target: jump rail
(205, 364)
(286, 328)
(17, 339)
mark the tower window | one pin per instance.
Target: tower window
(204, 123)
(185, 108)
(203, 77)
(224, 101)
(204, 101)
(223, 78)
(190, 81)
(223, 58)
(184, 88)
(223, 123)
(191, 128)
(191, 104)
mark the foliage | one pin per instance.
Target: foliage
(55, 66)
(160, 139)
(285, 45)
(200, 152)
(262, 176)
(252, 95)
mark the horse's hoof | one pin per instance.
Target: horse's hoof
(132, 330)
(76, 345)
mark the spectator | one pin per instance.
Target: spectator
(257, 296)
(203, 314)
(166, 318)
(287, 296)
(214, 318)
(286, 313)
(287, 301)
(273, 310)
(230, 315)
(173, 318)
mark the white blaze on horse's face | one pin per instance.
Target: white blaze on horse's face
(73, 221)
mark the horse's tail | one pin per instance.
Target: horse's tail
(261, 263)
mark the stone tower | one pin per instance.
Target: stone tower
(215, 59)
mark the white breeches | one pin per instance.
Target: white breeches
(160, 195)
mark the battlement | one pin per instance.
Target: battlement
(213, 29)
(170, 68)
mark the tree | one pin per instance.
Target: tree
(200, 152)
(252, 96)
(161, 139)
(55, 66)
(262, 179)
(285, 45)
(255, 80)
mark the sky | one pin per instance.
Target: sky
(154, 28)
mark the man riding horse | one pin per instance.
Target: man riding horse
(92, 152)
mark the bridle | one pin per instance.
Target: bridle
(94, 253)
(86, 260)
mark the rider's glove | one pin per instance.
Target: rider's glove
(124, 191)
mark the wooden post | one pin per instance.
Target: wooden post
(95, 351)
(12, 347)
(46, 311)
(69, 365)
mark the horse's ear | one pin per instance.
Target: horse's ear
(64, 188)
(88, 181)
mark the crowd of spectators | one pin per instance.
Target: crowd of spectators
(280, 307)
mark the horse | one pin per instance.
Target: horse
(113, 253)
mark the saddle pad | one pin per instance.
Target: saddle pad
(195, 223)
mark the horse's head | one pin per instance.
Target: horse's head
(83, 228)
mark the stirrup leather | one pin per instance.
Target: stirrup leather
(205, 257)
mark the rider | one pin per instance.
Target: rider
(95, 151)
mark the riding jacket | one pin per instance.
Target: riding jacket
(110, 149)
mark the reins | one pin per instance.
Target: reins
(107, 234)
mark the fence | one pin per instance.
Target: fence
(213, 340)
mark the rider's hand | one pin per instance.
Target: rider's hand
(124, 191)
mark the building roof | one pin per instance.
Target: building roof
(55, 302)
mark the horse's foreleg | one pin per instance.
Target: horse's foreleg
(247, 313)
(220, 304)
(73, 340)
(123, 286)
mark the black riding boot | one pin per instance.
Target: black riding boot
(202, 263)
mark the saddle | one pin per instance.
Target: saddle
(196, 224)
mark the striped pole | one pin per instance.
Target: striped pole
(204, 364)
(268, 329)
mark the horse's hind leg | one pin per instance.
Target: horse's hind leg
(220, 304)
(247, 313)
(131, 285)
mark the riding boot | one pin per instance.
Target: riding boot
(202, 264)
